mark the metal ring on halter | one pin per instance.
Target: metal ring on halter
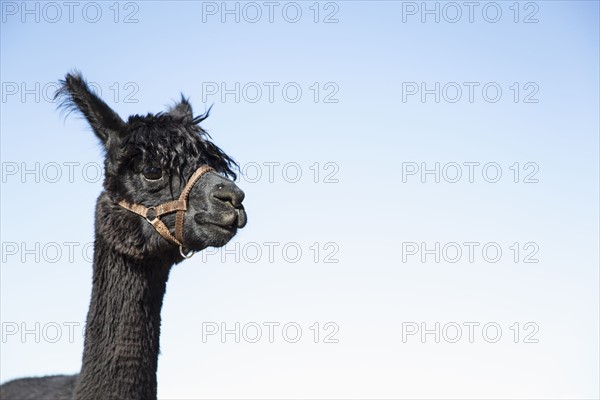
(188, 255)
(148, 218)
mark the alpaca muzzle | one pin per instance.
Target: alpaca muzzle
(179, 206)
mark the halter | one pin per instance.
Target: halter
(153, 214)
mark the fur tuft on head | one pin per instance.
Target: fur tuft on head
(163, 137)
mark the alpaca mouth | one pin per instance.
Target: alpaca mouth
(231, 221)
(242, 218)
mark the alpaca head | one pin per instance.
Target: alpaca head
(149, 160)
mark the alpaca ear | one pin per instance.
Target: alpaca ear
(75, 94)
(182, 110)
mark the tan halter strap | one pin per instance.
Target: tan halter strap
(153, 214)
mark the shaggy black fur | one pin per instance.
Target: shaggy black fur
(59, 387)
(148, 161)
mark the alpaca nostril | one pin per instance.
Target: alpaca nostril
(224, 197)
(233, 197)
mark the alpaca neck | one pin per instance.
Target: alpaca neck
(123, 327)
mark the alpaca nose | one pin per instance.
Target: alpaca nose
(229, 194)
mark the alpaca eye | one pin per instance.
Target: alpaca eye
(152, 173)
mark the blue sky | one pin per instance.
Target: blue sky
(351, 130)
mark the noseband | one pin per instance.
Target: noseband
(153, 214)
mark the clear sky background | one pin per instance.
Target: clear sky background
(353, 109)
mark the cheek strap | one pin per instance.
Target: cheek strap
(152, 214)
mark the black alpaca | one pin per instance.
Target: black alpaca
(149, 160)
